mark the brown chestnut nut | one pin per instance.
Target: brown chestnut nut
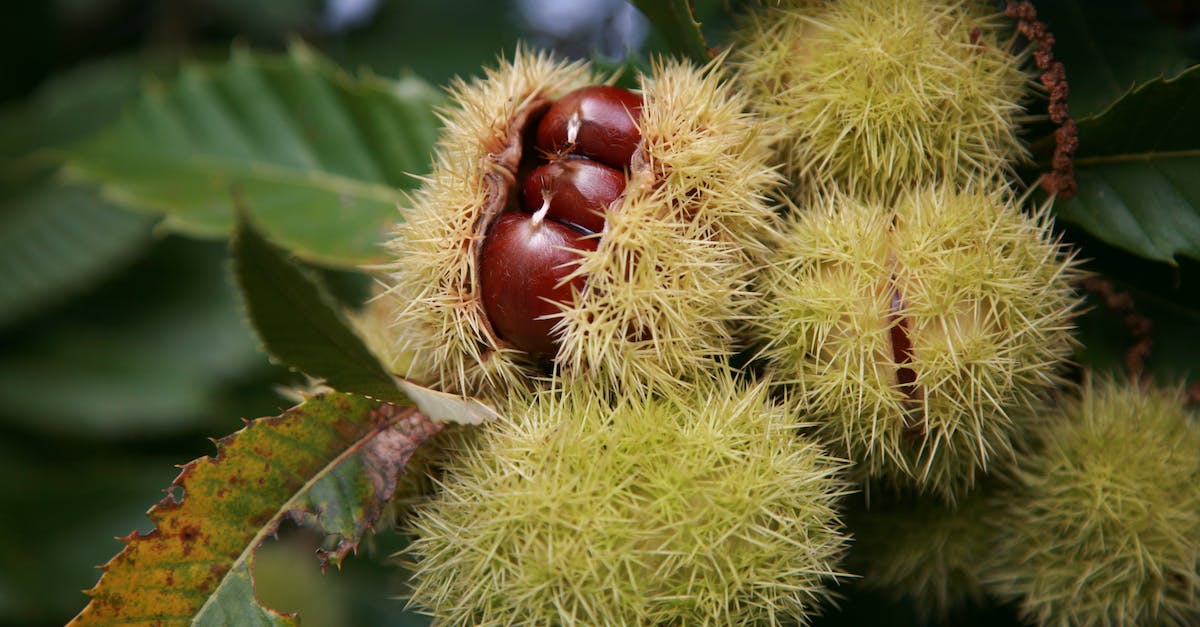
(901, 345)
(522, 268)
(598, 121)
(575, 191)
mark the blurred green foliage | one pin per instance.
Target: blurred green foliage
(121, 348)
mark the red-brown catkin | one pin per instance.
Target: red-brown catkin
(1060, 180)
(1140, 327)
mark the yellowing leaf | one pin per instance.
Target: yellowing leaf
(331, 462)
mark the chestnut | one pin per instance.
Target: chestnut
(522, 271)
(575, 191)
(901, 344)
(598, 121)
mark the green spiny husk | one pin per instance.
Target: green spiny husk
(1105, 515)
(878, 96)
(590, 509)
(984, 294)
(670, 273)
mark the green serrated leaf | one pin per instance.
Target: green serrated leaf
(321, 156)
(676, 20)
(56, 240)
(1137, 168)
(332, 461)
(68, 107)
(298, 323)
(1108, 47)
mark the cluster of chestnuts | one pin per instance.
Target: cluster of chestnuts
(582, 256)
(584, 145)
(841, 215)
(575, 229)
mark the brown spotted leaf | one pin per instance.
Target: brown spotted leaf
(331, 462)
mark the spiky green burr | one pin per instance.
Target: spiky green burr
(878, 95)
(924, 552)
(590, 509)
(669, 278)
(920, 333)
(1106, 512)
(669, 275)
(438, 322)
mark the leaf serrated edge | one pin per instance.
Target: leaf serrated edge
(389, 420)
(299, 56)
(696, 48)
(419, 428)
(1137, 88)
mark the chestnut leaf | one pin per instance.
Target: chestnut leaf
(300, 327)
(1137, 168)
(331, 462)
(57, 240)
(298, 322)
(323, 157)
(676, 20)
(1108, 47)
(116, 362)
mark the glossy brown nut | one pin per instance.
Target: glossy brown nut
(901, 345)
(607, 124)
(579, 191)
(521, 270)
